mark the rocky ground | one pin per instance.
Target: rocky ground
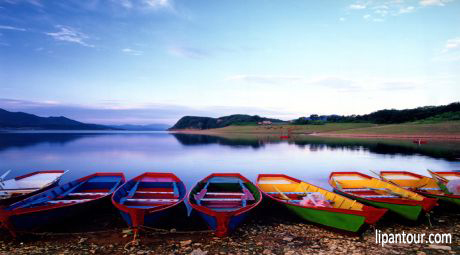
(264, 233)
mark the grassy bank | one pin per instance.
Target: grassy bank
(440, 130)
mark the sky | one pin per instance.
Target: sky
(153, 61)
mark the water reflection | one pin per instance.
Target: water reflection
(192, 157)
(446, 150)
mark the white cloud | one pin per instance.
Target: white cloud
(434, 2)
(69, 34)
(452, 44)
(188, 52)
(145, 4)
(132, 52)
(407, 9)
(156, 4)
(357, 6)
(12, 28)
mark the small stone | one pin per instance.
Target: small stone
(82, 240)
(267, 252)
(289, 253)
(185, 243)
(439, 247)
(198, 252)
(288, 239)
(173, 230)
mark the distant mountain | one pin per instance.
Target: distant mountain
(193, 122)
(22, 120)
(150, 127)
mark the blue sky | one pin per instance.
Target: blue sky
(152, 61)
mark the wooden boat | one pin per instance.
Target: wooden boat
(146, 198)
(61, 202)
(430, 187)
(224, 200)
(381, 194)
(339, 212)
(23, 186)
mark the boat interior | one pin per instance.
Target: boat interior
(284, 188)
(413, 181)
(223, 193)
(75, 192)
(30, 183)
(150, 191)
(370, 188)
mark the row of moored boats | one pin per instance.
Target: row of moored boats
(223, 200)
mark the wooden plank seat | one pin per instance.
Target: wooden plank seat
(88, 194)
(225, 193)
(221, 199)
(428, 188)
(379, 196)
(287, 193)
(155, 200)
(154, 192)
(361, 189)
(68, 201)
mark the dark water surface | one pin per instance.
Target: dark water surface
(192, 157)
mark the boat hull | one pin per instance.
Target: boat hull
(411, 212)
(347, 222)
(224, 222)
(447, 199)
(151, 218)
(8, 201)
(29, 222)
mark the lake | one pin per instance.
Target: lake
(192, 157)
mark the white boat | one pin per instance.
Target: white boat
(18, 188)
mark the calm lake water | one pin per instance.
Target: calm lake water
(192, 157)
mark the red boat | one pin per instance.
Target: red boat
(224, 200)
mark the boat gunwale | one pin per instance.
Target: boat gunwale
(426, 203)
(21, 211)
(39, 172)
(128, 209)
(211, 212)
(424, 193)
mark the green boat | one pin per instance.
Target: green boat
(435, 187)
(333, 211)
(378, 193)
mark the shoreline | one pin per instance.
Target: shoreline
(323, 134)
(279, 233)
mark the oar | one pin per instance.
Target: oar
(281, 193)
(437, 176)
(2, 178)
(441, 181)
(385, 179)
(337, 184)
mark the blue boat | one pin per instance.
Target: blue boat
(145, 199)
(62, 202)
(224, 200)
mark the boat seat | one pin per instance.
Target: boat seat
(154, 192)
(379, 196)
(429, 188)
(89, 194)
(225, 193)
(361, 189)
(68, 201)
(293, 193)
(152, 200)
(221, 199)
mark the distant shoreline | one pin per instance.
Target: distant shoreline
(449, 130)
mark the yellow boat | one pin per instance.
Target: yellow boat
(337, 211)
(430, 187)
(375, 192)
